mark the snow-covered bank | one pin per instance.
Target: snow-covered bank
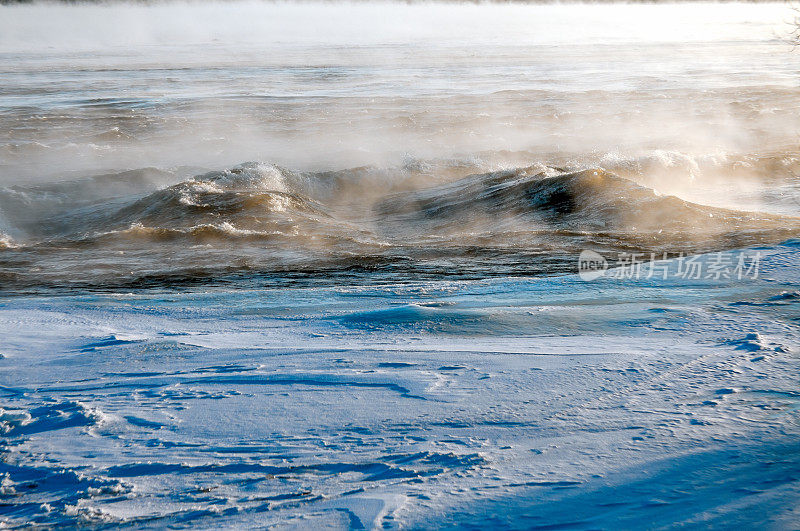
(533, 401)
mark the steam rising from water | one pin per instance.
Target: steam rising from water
(320, 86)
(391, 137)
(271, 224)
(97, 27)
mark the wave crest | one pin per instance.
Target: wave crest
(258, 218)
(208, 232)
(588, 200)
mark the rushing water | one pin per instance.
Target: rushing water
(412, 141)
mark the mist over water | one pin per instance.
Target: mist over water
(407, 140)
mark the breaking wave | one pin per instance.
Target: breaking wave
(420, 220)
(589, 200)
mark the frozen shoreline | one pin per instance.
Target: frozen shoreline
(409, 404)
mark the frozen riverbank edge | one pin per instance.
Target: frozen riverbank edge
(511, 402)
